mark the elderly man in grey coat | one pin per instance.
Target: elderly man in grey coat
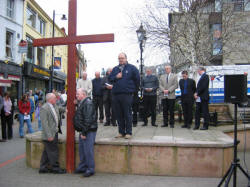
(168, 84)
(49, 115)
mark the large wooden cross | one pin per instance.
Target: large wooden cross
(71, 40)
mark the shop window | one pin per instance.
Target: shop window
(41, 56)
(31, 50)
(216, 39)
(31, 17)
(9, 44)
(10, 8)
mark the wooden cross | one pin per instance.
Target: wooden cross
(71, 40)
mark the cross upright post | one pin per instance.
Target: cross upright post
(71, 40)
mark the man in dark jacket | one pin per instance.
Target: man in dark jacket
(107, 99)
(188, 89)
(85, 123)
(202, 98)
(126, 79)
(97, 95)
(150, 84)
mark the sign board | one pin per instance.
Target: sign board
(57, 63)
(23, 46)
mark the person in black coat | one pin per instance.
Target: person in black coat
(188, 89)
(202, 98)
(98, 96)
(107, 100)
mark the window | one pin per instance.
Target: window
(216, 39)
(238, 5)
(217, 5)
(10, 8)
(41, 26)
(31, 50)
(31, 17)
(41, 56)
(9, 44)
(247, 5)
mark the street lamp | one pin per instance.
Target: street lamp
(52, 49)
(141, 35)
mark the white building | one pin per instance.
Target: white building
(11, 29)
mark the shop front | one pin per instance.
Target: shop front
(10, 79)
(35, 78)
(59, 79)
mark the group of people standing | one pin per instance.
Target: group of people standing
(117, 90)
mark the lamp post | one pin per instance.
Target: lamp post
(141, 35)
(52, 49)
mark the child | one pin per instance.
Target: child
(37, 113)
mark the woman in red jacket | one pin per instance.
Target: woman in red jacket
(24, 110)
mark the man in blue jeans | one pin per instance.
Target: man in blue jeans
(125, 79)
(85, 122)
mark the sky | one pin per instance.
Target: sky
(100, 17)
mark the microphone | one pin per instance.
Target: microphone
(121, 68)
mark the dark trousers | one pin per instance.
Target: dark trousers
(202, 107)
(187, 109)
(123, 112)
(7, 122)
(50, 155)
(135, 109)
(86, 153)
(168, 107)
(98, 102)
(149, 103)
(109, 111)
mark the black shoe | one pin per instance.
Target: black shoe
(165, 125)
(79, 171)
(184, 126)
(144, 124)
(44, 171)
(154, 125)
(135, 125)
(196, 128)
(204, 128)
(188, 127)
(59, 171)
(171, 126)
(87, 174)
(107, 124)
(21, 136)
(114, 124)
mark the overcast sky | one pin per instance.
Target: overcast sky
(100, 17)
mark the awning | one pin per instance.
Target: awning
(4, 82)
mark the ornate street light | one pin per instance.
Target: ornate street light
(141, 35)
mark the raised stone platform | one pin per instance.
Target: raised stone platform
(151, 151)
(243, 134)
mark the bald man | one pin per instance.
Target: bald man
(49, 115)
(126, 80)
(85, 83)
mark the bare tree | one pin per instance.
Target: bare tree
(196, 32)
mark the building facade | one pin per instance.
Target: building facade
(11, 30)
(37, 24)
(212, 32)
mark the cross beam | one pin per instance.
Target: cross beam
(97, 38)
